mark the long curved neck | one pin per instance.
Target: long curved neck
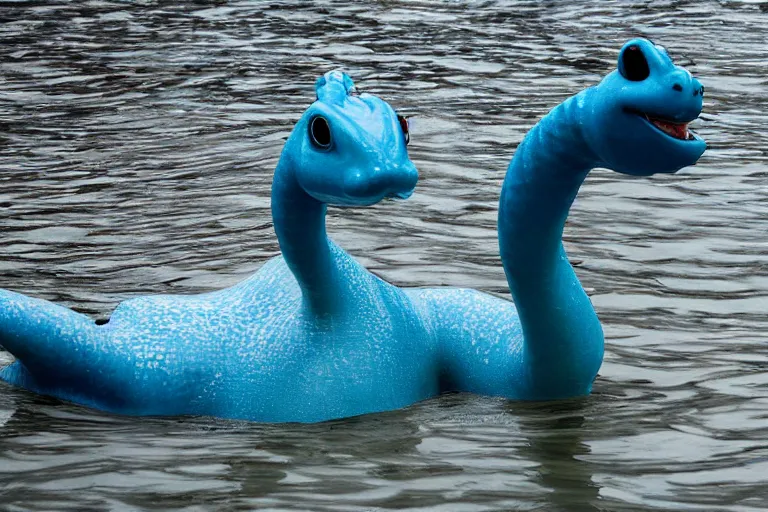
(299, 222)
(563, 339)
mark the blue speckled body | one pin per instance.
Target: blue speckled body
(311, 336)
(548, 344)
(251, 351)
(314, 336)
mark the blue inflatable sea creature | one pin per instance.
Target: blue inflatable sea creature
(314, 336)
(311, 336)
(549, 343)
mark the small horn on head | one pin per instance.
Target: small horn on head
(334, 86)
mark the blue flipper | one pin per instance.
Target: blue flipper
(46, 339)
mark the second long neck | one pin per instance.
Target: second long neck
(563, 339)
(299, 222)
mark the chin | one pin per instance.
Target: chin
(354, 202)
(664, 163)
(646, 149)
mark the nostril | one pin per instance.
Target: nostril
(677, 87)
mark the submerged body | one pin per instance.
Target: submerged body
(251, 351)
(479, 340)
(315, 336)
(549, 343)
(311, 336)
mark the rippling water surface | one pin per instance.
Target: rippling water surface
(137, 142)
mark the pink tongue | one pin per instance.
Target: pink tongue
(679, 131)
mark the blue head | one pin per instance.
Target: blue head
(640, 113)
(349, 149)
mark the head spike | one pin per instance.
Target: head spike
(334, 86)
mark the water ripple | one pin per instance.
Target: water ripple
(119, 121)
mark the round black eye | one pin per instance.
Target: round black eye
(320, 132)
(404, 126)
(633, 65)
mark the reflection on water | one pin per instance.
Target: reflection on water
(120, 121)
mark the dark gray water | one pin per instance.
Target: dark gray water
(137, 142)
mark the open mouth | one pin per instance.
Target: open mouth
(675, 130)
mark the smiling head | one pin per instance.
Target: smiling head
(640, 113)
(349, 149)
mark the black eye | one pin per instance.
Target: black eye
(633, 65)
(404, 126)
(320, 132)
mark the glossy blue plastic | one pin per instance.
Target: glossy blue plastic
(314, 336)
(311, 336)
(549, 343)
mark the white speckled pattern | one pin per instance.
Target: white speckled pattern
(250, 351)
(314, 336)
(481, 337)
(480, 340)
(311, 336)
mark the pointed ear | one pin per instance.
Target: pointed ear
(334, 87)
